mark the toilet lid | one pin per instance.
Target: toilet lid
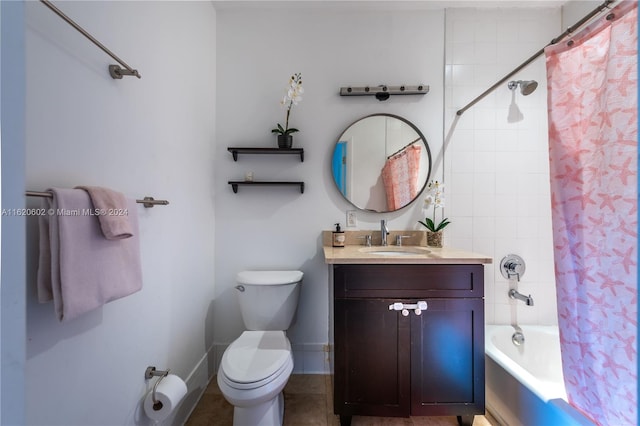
(256, 355)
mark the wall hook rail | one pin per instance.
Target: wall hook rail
(383, 92)
(116, 71)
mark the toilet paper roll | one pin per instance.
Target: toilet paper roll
(169, 393)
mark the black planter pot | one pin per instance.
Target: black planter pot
(285, 141)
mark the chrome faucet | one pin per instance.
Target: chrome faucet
(384, 231)
(526, 299)
(367, 240)
(399, 239)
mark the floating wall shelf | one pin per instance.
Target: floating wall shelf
(235, 183)
(279, 151)
(383, 92)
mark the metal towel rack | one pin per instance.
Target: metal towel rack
(146, 201)
(115, 71)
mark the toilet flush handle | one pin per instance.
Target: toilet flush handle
(240, 288)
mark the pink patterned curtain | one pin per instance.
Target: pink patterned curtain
(593, 132)
(400, 177)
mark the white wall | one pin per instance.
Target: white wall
(154, 136)
(12, 294)
(258, 49)
(575, 10)
(497, 173)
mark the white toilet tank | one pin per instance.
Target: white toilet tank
(268, 299)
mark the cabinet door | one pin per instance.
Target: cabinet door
(372, 359)
(447, 358)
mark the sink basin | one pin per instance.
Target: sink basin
(395, 251)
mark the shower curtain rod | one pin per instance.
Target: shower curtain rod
(114, 70)
(569, 30)
(403, 148)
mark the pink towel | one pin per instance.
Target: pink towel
(110, 207)
(78, 268)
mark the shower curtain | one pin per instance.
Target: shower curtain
(592, 101)
(400, 177)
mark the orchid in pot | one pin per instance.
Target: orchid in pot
(435, 199)
(291, 98)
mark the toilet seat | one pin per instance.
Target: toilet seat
(256, 358)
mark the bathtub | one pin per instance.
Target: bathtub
(524, 384)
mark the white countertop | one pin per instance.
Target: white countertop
(359, 254)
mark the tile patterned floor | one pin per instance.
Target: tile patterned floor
(308, 401)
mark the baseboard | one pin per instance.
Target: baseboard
(310, 358)
(197, 383)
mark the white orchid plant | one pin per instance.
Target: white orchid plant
(435, 199)
(291, 98)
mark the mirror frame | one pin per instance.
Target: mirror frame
(424, 142)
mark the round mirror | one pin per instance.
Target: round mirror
(381, 163)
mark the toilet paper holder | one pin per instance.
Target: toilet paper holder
(151, 372)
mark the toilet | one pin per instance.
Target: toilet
(256, 367)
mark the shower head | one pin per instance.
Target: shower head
(526, 86)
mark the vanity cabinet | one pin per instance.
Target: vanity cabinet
(389, 364)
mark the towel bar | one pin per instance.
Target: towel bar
(146, 201)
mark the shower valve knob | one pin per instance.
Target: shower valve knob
(511, 266)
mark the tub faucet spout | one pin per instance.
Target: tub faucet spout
(514, 294)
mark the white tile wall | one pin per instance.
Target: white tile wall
(497, 173)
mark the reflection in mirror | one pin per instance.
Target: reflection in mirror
(381, 163)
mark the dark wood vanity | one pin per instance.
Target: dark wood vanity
(388, 359)
(390, 363)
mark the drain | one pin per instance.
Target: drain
(517, 338)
